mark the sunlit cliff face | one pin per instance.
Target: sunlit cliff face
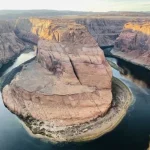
(57, 30)
(141, 27)
(41, 27)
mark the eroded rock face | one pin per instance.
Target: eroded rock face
(105, 31)
(133, 44)
(69, 83)
(10, 44)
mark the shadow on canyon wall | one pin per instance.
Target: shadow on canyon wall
(137, 74)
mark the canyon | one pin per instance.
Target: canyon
(71, 66)
(67, 89)
(68, 93)
(62, 88)
(72, 79)
(130, 37)
(22, 34)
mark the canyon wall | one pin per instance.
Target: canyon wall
(23, 29)
(10, 44)
(105, 31)
(133, 44)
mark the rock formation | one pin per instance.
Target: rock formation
(105, 31)
(133, 44)
(10, 44)
(69, 84)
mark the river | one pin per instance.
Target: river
(132, 133)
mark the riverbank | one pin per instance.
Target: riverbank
(28, 49)
(6, 79)
(113, 65)
(127, 60)
(109, 52)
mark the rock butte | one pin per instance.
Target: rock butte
(68, 84)
(133, 44)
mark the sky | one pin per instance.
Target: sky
(78, 5)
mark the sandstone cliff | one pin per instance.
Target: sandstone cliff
(133, 44)
(69, 83)
(10, 44)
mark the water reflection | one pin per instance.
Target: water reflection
(20, 60)
(137, 74)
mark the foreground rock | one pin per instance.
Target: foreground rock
(10, 44)
(133, 44)
(68, 85)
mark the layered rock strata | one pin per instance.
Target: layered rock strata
(68, 85)
(133, 44)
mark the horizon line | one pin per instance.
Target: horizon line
(70, 10)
